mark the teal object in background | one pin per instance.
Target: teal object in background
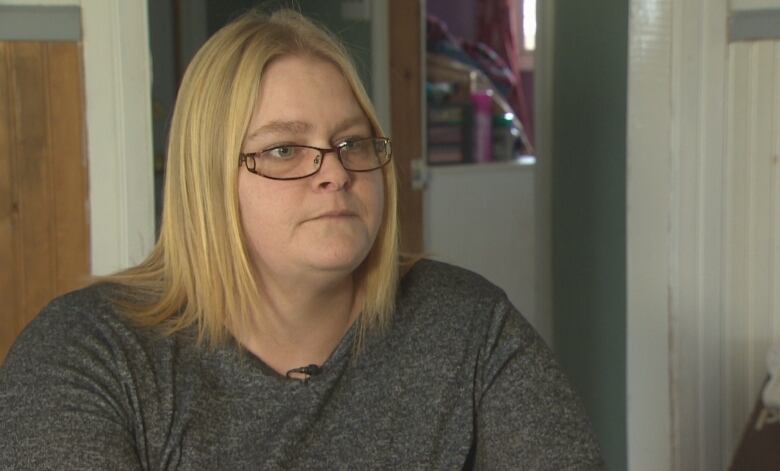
(589, 210)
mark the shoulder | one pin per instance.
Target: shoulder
(437, 299)
(94, 300)
(85, 306)
(75, 377)
(83, 319)
(432, 288)
(435, 279)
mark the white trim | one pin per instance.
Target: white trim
(648, 182)
(698, 84)
(119, 136)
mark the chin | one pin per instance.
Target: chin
(345, 261)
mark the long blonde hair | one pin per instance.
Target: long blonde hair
(200, 273)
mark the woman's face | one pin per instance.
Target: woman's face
(325, 223)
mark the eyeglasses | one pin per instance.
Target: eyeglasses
(291, 162)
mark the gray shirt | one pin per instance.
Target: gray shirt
(459, 380)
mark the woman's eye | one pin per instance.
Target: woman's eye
(281, 152)
(353, 144)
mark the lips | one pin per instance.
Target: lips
(335, 214)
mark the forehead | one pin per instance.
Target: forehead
(307, 90)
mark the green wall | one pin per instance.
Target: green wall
(589, 210)
(355, 34)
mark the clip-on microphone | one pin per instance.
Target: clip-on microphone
(306, 371)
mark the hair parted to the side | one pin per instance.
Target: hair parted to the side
(199, 273)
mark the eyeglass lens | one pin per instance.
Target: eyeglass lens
(295, 161)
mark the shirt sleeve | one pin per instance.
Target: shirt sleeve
(62, 401)
(528, 416)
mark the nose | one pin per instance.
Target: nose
(331, 175)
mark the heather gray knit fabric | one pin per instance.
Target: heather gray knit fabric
(460, 380)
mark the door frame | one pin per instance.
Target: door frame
(117, 77)
(406, 70)
(117, 81)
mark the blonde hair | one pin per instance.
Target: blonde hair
(200, 273)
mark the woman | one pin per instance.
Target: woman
(269, 328)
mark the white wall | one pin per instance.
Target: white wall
(751, 260)
(119, 140)
(481, 217)
(703, 230)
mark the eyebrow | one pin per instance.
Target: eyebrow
(301, 127)
(279, 127)
(352, 122)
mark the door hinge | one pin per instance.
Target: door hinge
(419, 174)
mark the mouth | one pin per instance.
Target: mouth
(337, 214)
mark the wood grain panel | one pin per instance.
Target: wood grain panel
(35, 260)
(69, 165)
(44, 243)
(406, 109)
(8, 207)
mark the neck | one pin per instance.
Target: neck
(302, 325)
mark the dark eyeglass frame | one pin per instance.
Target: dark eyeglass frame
(244, 159)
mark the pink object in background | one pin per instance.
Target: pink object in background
(482, 102)
(497, 26)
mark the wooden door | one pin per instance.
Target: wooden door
(406, 86)
(44, 232)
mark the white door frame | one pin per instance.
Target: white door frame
(117, 78)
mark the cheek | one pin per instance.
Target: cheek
(377, 201)
(247, 200)
(255, 204)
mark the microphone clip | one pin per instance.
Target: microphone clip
(305, 371)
